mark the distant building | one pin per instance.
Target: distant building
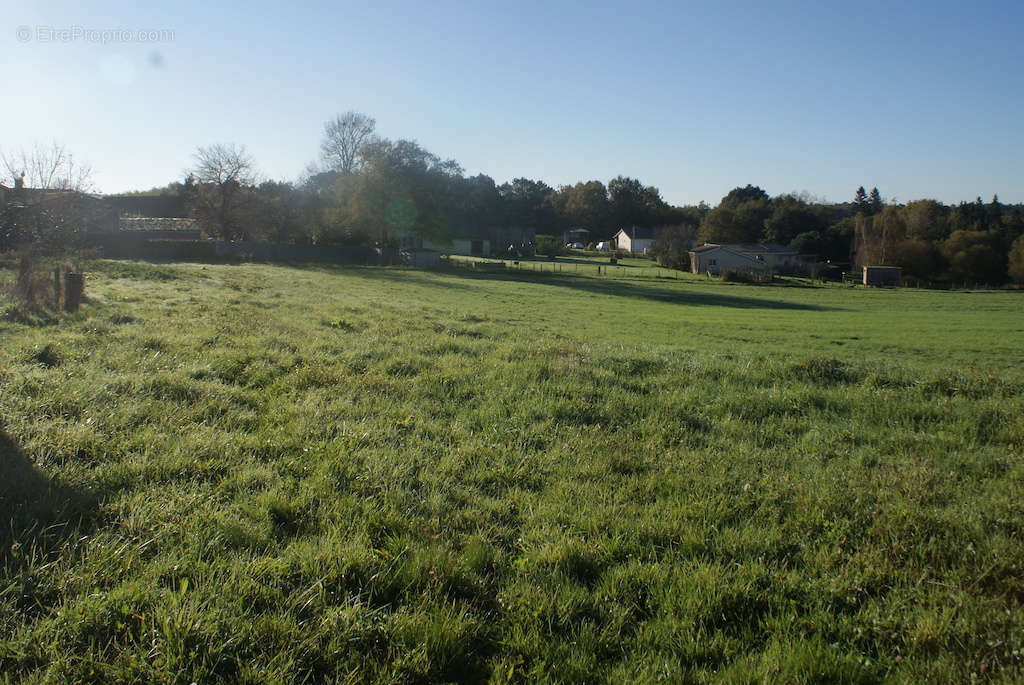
(882, 275)
(635, 240)
(149, 206)
(163, 228)
(576, 235)
(476, 241)
(423, 259)
(715, 258)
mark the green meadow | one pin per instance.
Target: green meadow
(255, 473)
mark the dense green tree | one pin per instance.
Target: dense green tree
(790, 217)
(994, 210)
(974, 256)
(585, 205)
(748, 193)
(525, 203)
(633, 204)
(839, 240)
(919, 259)
(926, 220)
(1016, 261)
(969, 216)
(741, 223)
(275, 213)
(403, 194)
(674, 244)
(811, 242)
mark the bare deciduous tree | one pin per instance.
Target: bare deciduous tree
(51, 213)
(226, 171)
(50, 167)
(344, 137)
(222, 164)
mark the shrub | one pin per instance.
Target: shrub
(549, 245)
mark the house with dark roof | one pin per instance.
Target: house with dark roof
(635, 240)
(715, 258)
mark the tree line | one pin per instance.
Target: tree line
(368, 190)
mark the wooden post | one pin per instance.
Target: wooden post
(74, 288)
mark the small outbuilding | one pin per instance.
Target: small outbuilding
(882, 275)
(423, 259)
(575, 235)
(635, 240)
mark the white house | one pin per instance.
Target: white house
(714, 258)
(635, 240)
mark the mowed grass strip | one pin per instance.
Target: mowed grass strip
(274, 474)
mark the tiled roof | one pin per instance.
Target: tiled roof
(749, 248)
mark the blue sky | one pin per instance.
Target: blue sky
(921, 99)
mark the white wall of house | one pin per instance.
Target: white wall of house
(460, 246)
(633, 245)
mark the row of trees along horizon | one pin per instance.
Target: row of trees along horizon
(368, 190)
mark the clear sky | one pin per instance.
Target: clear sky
(921, 99)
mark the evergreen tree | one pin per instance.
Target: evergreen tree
(875, 201)
(994, 210)
(860, 200)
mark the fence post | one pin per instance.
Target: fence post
(74, 287)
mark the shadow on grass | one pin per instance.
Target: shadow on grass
(38, 513)
(645, 289)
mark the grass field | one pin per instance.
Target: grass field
(271, 474)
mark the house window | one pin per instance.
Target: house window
(712, 262)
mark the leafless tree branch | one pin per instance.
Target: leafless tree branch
(344, 137)
(50, 167)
